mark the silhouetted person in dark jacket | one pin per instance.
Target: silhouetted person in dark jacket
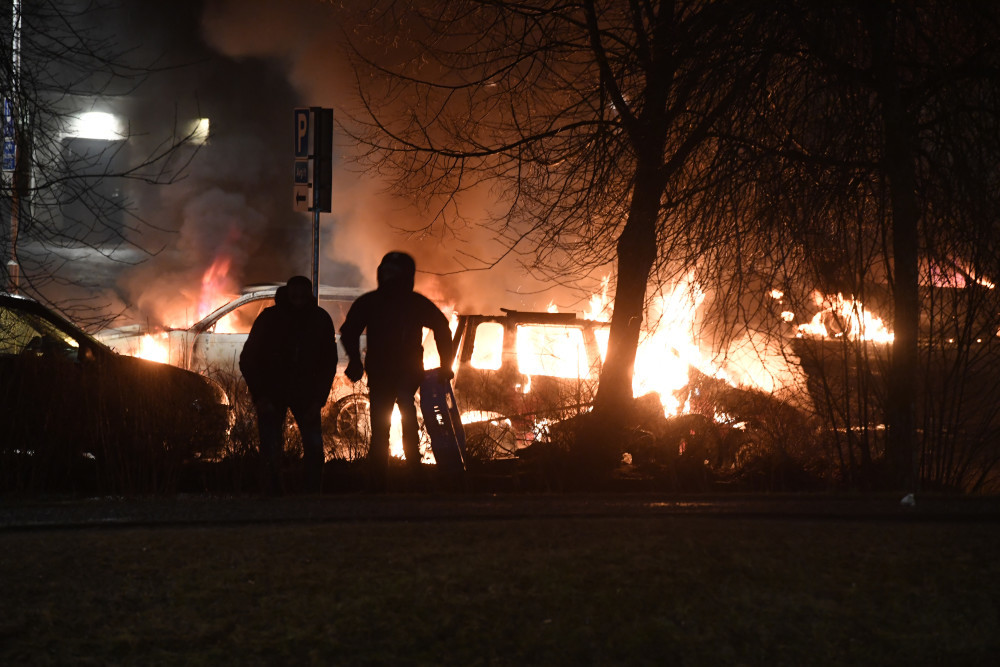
(289, 361)
(394, 316)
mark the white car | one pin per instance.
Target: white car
(213, 345)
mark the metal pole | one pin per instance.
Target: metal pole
(13, 268)
(315, 276)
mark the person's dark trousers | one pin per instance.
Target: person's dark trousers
(271, 426)
(310, 421)
(383, 394)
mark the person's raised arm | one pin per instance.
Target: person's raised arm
(350, 338)
(438, 323)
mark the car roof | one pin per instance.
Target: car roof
(28, 303)
(18, 295)
(260, 291)
(267, 290)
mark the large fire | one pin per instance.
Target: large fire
(154, 347)
(668, 349)
(669, 346)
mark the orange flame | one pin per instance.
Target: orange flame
(154, 348)
(669, 348)
(848, 318)
(215, 291)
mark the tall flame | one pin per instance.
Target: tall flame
(669, 348)
(215, 290)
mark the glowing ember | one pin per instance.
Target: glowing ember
(475, 416)
(847, 318)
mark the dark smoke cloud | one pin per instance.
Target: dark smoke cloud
(245, 65)
(233, 203)
(366, 221)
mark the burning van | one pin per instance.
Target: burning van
(520, 371)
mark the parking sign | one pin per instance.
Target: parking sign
(303, 142)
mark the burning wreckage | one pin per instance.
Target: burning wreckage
(523, 379)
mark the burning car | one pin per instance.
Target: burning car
(518, 371)
(515, 371)
(212, 347)
(66, 398)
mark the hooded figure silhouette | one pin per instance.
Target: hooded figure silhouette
(394, 316)
(289, 361)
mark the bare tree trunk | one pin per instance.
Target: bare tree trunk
(636, 253)
(900, 171)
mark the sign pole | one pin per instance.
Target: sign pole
(313, 171)
(315, 274)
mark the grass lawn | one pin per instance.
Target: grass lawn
(507, 590)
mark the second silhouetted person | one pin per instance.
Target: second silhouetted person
(394, 316)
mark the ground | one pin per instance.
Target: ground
(500, 579)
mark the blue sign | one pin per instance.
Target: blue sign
(9, 153)
(302, 139)
(8, 118)
(302, 172)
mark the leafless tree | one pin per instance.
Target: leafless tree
(593, 119)
(870, 171)
(796, 146)
(65, 191)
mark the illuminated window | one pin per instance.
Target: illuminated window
(96, 125)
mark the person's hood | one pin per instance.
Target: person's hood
(396, 272)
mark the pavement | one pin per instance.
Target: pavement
(25, 514)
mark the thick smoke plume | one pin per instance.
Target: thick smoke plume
(245, 65)
(304, 36)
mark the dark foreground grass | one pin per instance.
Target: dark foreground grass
(684, 590)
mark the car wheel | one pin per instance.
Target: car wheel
(347, 428)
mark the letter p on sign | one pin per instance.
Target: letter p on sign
(302, 139)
